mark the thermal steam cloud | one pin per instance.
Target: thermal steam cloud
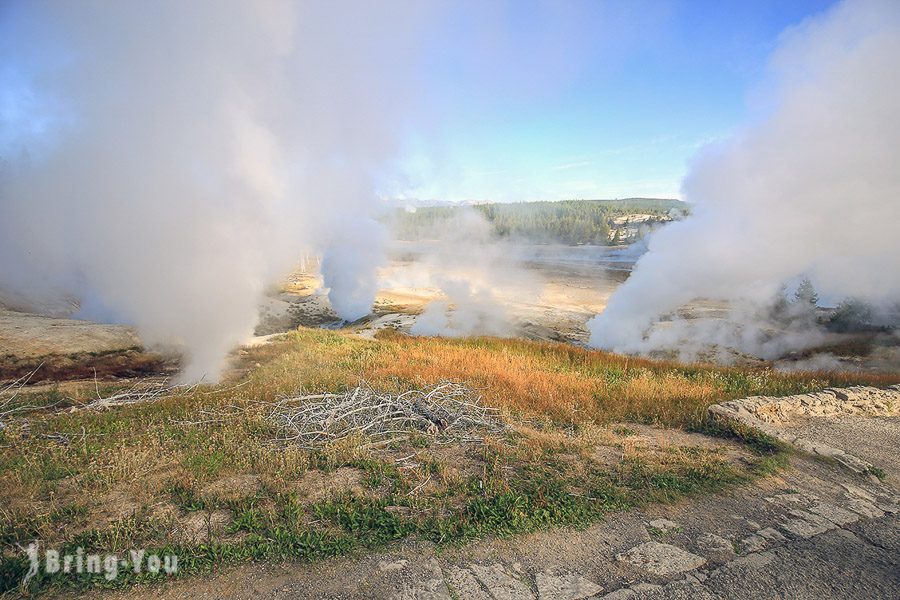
(809, 190)
(479, 278)
(163, 162)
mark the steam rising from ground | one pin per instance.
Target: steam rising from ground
(813, 190)
(164, 161)
(479, 278)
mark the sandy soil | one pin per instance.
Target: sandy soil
(28, 335)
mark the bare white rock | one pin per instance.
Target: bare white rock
(501, 584)
(714, 543)
(433, 589)
(661, 559)
(429, 587)
(806, 525)
(621, 594)
(835, 514)
(771, 534)
(864, 508)
(753, 543)
(465, 584)
(387, 566)
(564, 586)
(663, 525)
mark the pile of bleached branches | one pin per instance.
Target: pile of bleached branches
(446, 412)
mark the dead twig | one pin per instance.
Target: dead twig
(140, 392)
(419, 487)
(10, 391)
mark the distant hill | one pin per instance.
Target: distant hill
(574, 222)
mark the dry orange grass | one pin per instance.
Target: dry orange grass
(534, 379)
(507, 380)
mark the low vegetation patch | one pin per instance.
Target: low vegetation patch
(207, 474)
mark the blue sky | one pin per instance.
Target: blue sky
(590, 100)
(555, 99)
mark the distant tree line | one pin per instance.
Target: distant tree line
(572, 222)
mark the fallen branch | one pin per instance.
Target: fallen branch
(140, 392)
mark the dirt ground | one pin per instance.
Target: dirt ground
(29, 335)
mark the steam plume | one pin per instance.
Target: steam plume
(810, 190)
(479, 276)
(164, 161)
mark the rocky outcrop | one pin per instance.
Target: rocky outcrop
(768, 414)
(830, 402)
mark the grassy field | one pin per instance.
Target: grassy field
(198, 473)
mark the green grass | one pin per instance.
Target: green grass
(876, 472)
